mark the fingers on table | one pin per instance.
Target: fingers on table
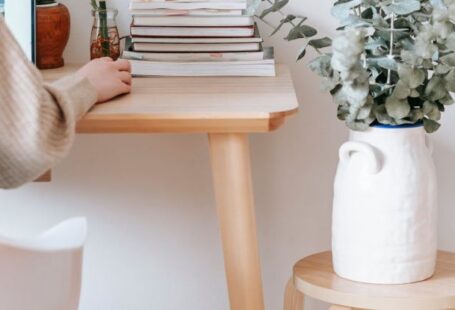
(123, 65)
(125, 77)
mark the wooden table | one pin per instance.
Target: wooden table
(227, 109)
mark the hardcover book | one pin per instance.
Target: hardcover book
(189, 5)
(204, 47)
(186, 56)
(193, 21)
(255, 39)
(192, 32)
(196, 12)
(196, 38)
(261, 67)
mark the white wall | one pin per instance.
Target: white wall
(154, 240)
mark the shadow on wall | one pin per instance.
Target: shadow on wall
(296, 166)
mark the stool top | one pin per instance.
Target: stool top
(314, 277)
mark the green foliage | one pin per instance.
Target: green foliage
(44, 2)
(393, 62)
(100, 7)
(94, 5)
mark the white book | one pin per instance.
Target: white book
(196, 12)
(204, 47)
(192, 31)
(246, 68)
(193, 21)
(255, 39)
(187, 1)
(193, 57)
(265, 67)
(186, 5)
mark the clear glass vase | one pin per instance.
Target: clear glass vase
(105, 39)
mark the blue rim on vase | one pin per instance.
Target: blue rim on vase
(384, 126)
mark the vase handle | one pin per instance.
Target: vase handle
(429, 144)
(373, 161)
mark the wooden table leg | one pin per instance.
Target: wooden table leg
(235, 205)
(293, 299)
(47, 177)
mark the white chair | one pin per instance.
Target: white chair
(43, 273)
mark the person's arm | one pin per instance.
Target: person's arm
(37, 120)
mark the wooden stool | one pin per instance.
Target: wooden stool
(314, 277)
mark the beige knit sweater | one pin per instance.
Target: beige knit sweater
(37, 120)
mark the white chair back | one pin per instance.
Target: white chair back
(43, 273)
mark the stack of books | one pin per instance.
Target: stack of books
(196, 38)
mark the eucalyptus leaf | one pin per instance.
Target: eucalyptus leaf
(442, 69)
(276, 7)
(320, 43)
(431, 110)
(384, 62)
(411, 76)
(448, 100)
(450, 42)
(343, 10)
(448, 59)
(402, 7)
(397, 108)
(302, 52)
(284, 21)
(321, 65)
(416, 115)
(401, 91)
(253, 7)
(435, 89)
(411, 58)
(430, 125)
(449, 80)
(382, 116)
(300, 32)
(415, 93)
(393, 61)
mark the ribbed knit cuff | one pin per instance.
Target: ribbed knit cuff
(76, 93)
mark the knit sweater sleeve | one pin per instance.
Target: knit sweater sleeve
(37, 120)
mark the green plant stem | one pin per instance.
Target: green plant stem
(282, 14)
(392, 38)
(94, 5)
(265, 22)
(104, 29)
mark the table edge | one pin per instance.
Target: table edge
(134, 123)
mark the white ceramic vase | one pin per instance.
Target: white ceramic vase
(385, 207)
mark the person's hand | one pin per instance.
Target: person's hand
(110, 78)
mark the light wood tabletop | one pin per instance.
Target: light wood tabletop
(227, 109)
(314, 277)
(197, 104)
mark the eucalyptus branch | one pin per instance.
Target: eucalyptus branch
(392, 42)
(281, 13)
(265, 22)
(298, 29)
(392, 75)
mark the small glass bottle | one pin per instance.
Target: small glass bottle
(105, 39)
